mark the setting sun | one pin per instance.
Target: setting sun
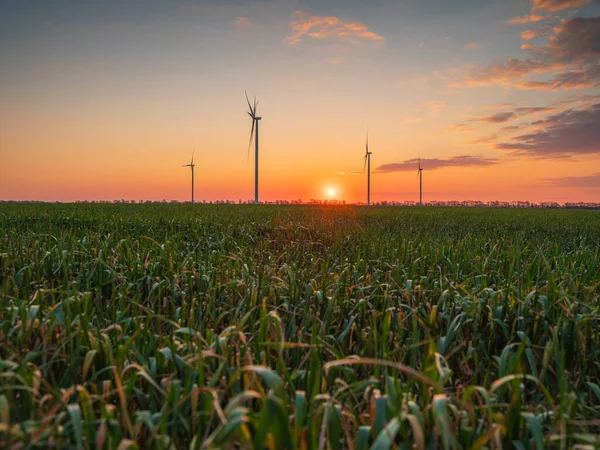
(330, 192)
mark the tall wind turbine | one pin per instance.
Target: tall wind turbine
(255, 119)
(420, 176)
(368, 162)
(192, 165)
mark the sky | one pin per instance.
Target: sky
(107, 100)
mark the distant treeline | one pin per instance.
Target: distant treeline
(450, 203)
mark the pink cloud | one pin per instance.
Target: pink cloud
(506, 72)
(528, 47)
(435, 163)
(329, 27)
(571, 56)
(527, 35)
(558, 5)
(528, 18)
(561, 135)
(589, 77)
(487, 139)
(496, 118)
(534, 109)
(462, 127)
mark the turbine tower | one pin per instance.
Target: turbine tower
(255, 119)
(420, 176)
(192, 165)
(368, 162)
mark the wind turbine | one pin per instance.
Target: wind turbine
(192, 165)
(255, 119)
(420, 176)
(368, 162)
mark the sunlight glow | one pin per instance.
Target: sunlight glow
(330, 192)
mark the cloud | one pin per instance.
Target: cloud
(527, 18)
(529, 47)
(533, 109)
(487, 139)
(501, 106)
(511, 128)
(558, 5)
(528, 35)
(500, 117)
(506, 72)
(587, 77)
(583, 100)
(576, 39)
(462, 127)
(329, 27)
(241, 22)
(472, 46)
(432, 164)
(567, 133)
(570, 57)
(586, 181)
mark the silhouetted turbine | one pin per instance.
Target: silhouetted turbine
(420, 176)
(368, 162)
(255, 119)
(192, 165)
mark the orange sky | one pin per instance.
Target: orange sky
(104, 102)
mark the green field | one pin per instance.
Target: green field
(298, 327)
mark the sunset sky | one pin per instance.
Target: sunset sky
(105, 100)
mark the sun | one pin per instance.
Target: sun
(331, 192)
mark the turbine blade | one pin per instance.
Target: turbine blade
(249, 106)
(194, 151)
(250, 141)
(365, 165)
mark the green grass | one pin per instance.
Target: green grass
(179, 326)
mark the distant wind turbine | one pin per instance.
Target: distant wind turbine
(420, 176)
(368, 162)
(255, 119)
(192, 165)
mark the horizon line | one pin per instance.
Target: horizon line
(332, 202)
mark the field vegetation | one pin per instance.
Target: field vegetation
(298, 327)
